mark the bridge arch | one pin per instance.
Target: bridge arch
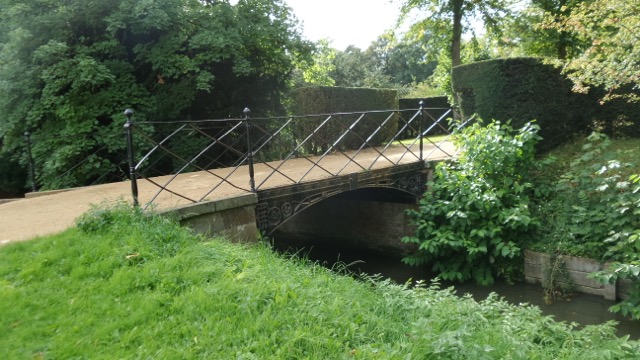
(276, 206)
(368, 219)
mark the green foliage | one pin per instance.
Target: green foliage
(528, 33)
(624, 249)
(591, 209)
(434, 108)
(476, 213)
(118, 292)
(593, 205)
(404, 62)
(444, 21)
(68, 70)
(620, 271)
(319, 72)
(386, 63)
(326, 100)
(513, 89)
(609, 27)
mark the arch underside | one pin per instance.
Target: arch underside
(276, 206)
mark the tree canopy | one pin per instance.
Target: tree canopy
(69, 68)
(611, 29)
(442, 22)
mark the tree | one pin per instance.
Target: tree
(404, 61)
(612, 57)
(69, 68)
(318, 70)
(446, 20)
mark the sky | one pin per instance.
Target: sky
(345, 22)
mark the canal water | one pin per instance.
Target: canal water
(583, 309)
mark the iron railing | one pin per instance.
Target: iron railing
(249, 154)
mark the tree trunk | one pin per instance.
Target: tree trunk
(562, 45)
(457, 32)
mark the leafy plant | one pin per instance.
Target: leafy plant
(593, 211)
(476, 213)
(624, 248)
(69, 69)
(593, 205)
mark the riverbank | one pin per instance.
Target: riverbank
(583, 309)
(128, 286)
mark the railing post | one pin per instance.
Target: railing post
(128, 127)
(32, 167)
(247, 123)
(420, 127)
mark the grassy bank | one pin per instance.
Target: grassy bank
(127, 286)
(592, 203)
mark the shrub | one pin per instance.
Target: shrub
(593, 205)
(325, 100)
(434, 109)
(476, 211)
(515, 89)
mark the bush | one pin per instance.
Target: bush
(326, 100)
(521, 90)
(434, 108)
(592, 210)
(476, 213)
(592, 205)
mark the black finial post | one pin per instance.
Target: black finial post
(128, 127)
(32, 166)
(420, 127)
(247, 123)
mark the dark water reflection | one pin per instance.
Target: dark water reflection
(582, 308)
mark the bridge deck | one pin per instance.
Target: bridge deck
(46, 214)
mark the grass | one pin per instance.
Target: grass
(625, 150)
(123, 285)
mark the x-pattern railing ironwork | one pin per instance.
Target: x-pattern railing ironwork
(278, 151)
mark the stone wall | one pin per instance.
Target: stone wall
(537, 267)
(234, 218)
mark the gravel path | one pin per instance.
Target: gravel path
(48, 213)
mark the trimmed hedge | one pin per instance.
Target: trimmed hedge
(521, 90)
(434, 108)
(328, 100)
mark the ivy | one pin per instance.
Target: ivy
(471, 222)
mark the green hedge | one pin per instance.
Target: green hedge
(434, 108)
(521, 90)
(327, 100)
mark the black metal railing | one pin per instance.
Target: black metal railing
(248, 154)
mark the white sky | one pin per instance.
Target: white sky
(345, 22)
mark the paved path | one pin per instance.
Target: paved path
(47, 214)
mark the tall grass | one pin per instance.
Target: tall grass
(124, 285)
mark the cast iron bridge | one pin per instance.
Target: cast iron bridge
(290, 162)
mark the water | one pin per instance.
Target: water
(582, 309)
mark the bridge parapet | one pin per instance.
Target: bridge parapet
(262, 155)
(275, 206)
